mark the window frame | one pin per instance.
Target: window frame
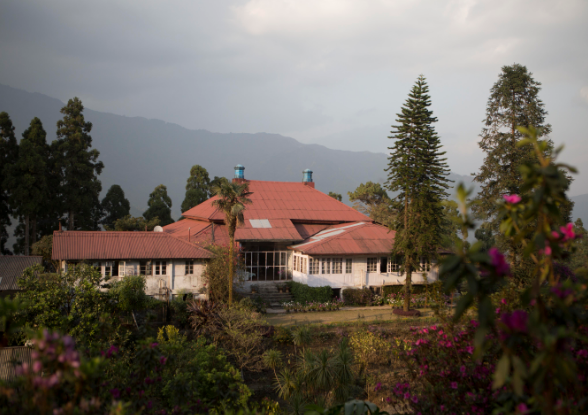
(325, 270)
(348, 265)
(189, 267)
(337, 265)
(372, 264)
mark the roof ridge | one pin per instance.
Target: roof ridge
(327, 239)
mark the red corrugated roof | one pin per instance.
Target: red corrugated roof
(285, 200)
(306, 230)
(82, 245)
(349, 239)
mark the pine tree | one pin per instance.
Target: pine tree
(197, 188)
(514, 101)
(115, 206)
(336, 196)
(8, 154)
(27, 179)
(78, 166)
(418, 172)
(159, 206)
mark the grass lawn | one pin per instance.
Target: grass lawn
(342, 317)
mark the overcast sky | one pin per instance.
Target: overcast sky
(333, 72)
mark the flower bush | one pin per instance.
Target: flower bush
(292, 307)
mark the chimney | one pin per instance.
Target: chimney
(307, 178)
(60, 230)
(239, 174)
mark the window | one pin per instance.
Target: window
(394, 264)
(160, 267)
(121, 268)
(383, 265)
(326, 265)
(97, 266)
(145, 268)
(189, 267)
(348, 265)
(108, 269)
(314, 266)
(337, 265)
(269, 265)
(296, 263)
(304, 269)
(372, 265)
(425, 265)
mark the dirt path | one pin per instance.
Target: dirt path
(342, 316)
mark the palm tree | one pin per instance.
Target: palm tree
(232, 198)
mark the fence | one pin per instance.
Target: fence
(10, 357)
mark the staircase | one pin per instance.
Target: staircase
(270, 294)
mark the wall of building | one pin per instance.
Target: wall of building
(175, 279)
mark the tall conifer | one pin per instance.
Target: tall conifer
(27, 179)
(418, 172)
(78, 165)
(159, 206)
(197, 188)
(514, 101)
(8, 154)
(115, 206)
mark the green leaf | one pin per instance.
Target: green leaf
(502, 370)
(462, 305)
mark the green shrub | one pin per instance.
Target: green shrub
(395, 289)
(357, 296)
(302, 293)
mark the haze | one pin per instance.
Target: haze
(321, 71)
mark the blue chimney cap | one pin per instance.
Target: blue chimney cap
(239, 172)
(307, 175)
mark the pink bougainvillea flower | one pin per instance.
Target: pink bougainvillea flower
(522, 408)
(153, 345)
(453, 385)
(555, 234)
(568, 231)
(562, 293)
(515, 321)
(378, 386)
(512, 199)
(498, 262)
(546, 251)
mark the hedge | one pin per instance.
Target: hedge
(302, 293)
(357, 296)
(394, 289)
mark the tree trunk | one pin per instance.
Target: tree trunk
(34, 230)
(231, 247)
(27, 229)
(407, 288)
(70, 224)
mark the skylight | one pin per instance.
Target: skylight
(260, 223)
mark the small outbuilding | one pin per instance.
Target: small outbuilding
(11, 269)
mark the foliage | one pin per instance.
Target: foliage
(26, 178)
(217, 271)
(130, 224)
(538, 363)
(371, 198)
(302, 293)
(358, 296)
(336, 196)
(8, 153)
(179, 310)
(197, 187)
(238, 330)
(484, 235)
(292, 306)
(418, 172)
(78, 166)
(70, 302)
(159, 206)
(232, 198)
(44, 248)
(115, 206)
(394, 289)
(579, 258)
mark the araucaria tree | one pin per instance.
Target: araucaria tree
(418, 171)
(232, 198)
(78, 165)
(8, 153)
(197, 187)
(514, 101)
(159, 206)
(115, 206)
(27, 177)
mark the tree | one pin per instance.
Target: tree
(159, 206)
(217, 182)
(371, 198)
(579, 258)
(232, 198)
(78, 165)
(197, 187)
(336, 196)
(418, 172)
(115, 206)
(8, 153)
(27, 179)
(484, 235)
(129, 224)
(514, 101)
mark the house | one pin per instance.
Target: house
(294, 232)
(11, 269)
(169, 264)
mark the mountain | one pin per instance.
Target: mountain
(140, 153)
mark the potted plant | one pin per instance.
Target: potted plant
(254, 289)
